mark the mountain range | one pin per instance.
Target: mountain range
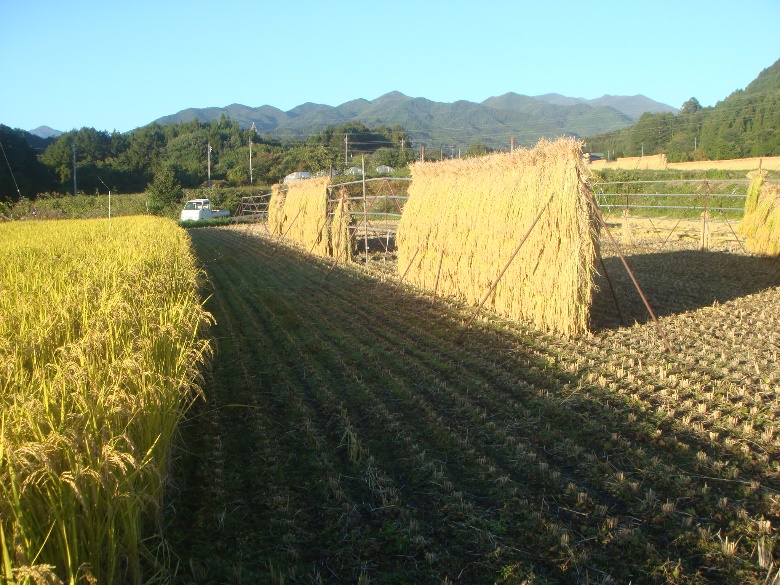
(438, 124)
(491, 122)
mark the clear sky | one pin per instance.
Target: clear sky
(115, 65)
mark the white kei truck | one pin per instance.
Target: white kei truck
(196, 209)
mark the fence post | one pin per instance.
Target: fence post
(626, 228)
(705, 229)
(365, 206)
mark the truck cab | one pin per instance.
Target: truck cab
(196, 209)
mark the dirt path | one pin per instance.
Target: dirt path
(347, 438)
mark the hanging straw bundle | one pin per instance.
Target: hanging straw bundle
(761, 222)
(276, 215)
(341, 240)
(303, 214)
(469, 215)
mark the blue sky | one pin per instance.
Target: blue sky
(120, 65)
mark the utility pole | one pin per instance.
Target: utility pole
(346, 149)
(209, 166)
(511, 144)
(253, 129)
(74, 168)
(402, 144)
(422, 153)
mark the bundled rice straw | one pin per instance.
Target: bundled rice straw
(477, 211)
(341, 241)
(302, 215)
(761, 222)
(276, 211)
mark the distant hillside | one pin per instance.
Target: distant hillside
(435, 124)
(745, 124)
(632, 106)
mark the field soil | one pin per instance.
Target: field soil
(351, 434)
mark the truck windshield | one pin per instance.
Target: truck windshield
(191, 205)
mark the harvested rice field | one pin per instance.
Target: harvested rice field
(347, 437)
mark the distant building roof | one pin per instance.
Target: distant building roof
(297, 176)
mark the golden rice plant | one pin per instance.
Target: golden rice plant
(470, 215)
(100, 349)
(303, 215)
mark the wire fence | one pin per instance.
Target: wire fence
(253, 208)
(376, 205)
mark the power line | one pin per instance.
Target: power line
(10, 170)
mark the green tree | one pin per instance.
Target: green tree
(690, 107)
(164, 192)
(20, 167)
(476, 149)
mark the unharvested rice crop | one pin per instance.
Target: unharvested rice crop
(100, 349)
(469, 215)
(761, 222)
(303, 214)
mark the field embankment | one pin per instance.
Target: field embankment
(659, 162)
(100, 345)
(346, 436)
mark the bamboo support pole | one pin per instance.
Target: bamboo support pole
(611, 288)
(630, 273)
(459, 339)
(401, 280)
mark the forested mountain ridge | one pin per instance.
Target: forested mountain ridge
(436, 124)
(745, 124)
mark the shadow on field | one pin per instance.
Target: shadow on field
(340, 408)
(676, 282)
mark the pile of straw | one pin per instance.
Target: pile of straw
(301, 215)
(469, 215)
(761, 222)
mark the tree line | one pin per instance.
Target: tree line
(129, 163)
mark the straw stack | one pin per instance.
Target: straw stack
(471, 214)
(303, 214)
(761, 222)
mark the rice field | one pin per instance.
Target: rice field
(101, 348)
(347, 437)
